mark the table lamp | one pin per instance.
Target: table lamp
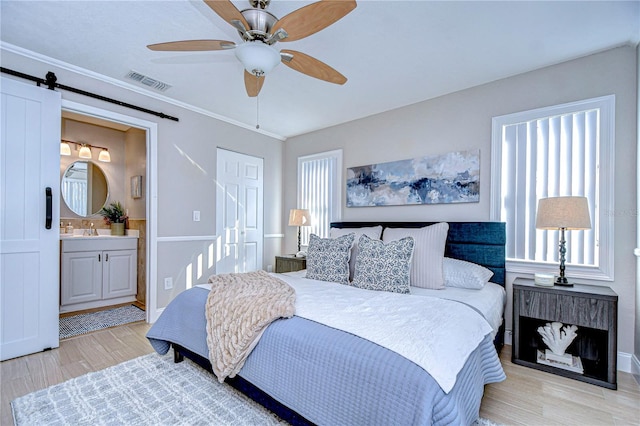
(299, 217)
(563, 213)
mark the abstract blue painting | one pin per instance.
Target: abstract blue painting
(437, 179)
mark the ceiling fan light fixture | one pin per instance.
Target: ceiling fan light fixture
(257, 57)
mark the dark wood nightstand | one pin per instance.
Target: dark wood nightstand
(290, 263)
(593, 309)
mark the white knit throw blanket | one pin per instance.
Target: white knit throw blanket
(239, 309)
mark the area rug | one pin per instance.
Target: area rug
(150, 390)
(85, 323)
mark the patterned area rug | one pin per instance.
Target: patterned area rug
(84, 323)
(150, 390)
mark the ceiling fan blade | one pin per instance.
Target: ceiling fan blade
(312, 18)
(253, 84)
(193, 45)
(227, 11)
(311, 67)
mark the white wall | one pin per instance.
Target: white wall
(462, 120)
(186, 169)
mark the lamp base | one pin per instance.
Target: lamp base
(562, 281)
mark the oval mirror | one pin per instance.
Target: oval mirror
(84, 188)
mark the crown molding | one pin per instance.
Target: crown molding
(8, 47)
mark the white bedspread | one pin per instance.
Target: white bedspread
(436, 334)
(490, 300)
(448, 331)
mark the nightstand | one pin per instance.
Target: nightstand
(593, 309)
(290, 263)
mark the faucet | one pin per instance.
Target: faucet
(90, 231)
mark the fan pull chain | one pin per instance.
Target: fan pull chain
(257, 112)
(257, 103)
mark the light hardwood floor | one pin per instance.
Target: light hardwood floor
(75, 357)
(527, 397)
(531, 397)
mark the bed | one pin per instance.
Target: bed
(311, 373)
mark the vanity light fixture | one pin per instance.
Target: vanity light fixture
(65, 149)
(85, 150)
(104, 156)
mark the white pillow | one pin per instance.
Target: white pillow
(463, 274)
(428, 253)
(372, 232)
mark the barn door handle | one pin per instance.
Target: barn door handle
(49, 212)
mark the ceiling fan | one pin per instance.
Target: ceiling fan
(260, 30)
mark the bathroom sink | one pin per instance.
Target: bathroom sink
(102, 234)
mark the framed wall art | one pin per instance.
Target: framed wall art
(438, 179)
(136, 186)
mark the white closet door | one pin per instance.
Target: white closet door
(29, 249)
(239, 212)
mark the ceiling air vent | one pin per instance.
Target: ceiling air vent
(148, 81)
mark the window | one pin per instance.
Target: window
(549, 152)
(319, 190)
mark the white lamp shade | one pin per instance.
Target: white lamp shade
(257, 57)
(85, 152)
(563, 212)
(299, 217)
(65, 149)
(104, 156)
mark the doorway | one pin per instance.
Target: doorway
(239, 212)
(145, 222)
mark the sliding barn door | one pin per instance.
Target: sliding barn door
(29, 218)
(239, 212)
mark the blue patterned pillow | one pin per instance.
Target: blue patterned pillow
(385, 267)
(328, 258)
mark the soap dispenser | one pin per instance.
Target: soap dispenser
(69, 228)
(62, 229)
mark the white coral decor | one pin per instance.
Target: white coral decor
(557, 337)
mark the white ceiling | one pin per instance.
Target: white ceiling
(394, 53)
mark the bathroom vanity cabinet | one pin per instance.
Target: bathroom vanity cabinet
(97, 271)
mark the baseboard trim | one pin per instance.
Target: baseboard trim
(152, 316)
(96, 304)
(624, 362)
(635, 365)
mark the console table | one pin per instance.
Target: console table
(593, 309)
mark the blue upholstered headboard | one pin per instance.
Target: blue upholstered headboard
(478, 242)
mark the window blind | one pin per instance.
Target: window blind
(550, 157)
(318, 191)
